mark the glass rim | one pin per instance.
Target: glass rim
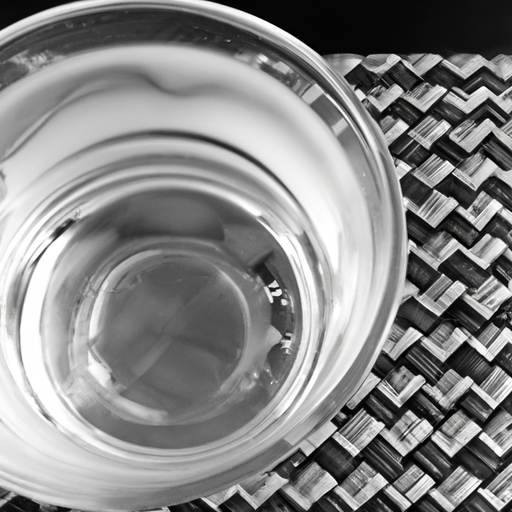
(367, 132)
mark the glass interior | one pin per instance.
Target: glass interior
(202, 250)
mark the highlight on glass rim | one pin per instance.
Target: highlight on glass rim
(202, 250)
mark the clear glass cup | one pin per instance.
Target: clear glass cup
(202, 250)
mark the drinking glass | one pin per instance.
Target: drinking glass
(202, 249)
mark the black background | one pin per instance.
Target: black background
(364, 27)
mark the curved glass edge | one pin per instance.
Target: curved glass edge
(360, 121)
(372, 139)
(367, 132)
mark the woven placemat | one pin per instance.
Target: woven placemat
(431, 427)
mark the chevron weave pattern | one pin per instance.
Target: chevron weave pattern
(431, 427)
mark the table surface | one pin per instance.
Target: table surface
(431, 427)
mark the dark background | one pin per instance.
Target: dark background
(364, 27)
